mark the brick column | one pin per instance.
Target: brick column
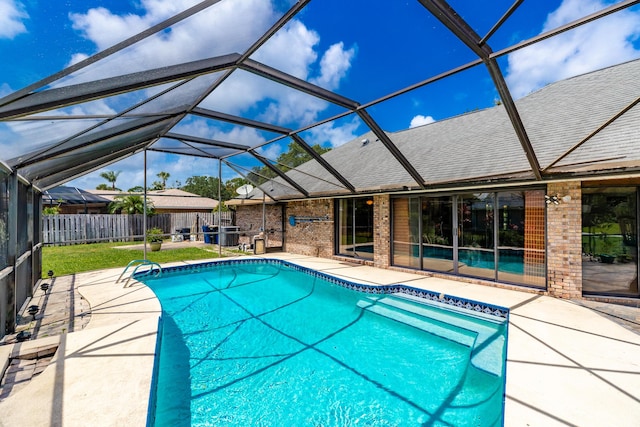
(564, 241)
(382, 231)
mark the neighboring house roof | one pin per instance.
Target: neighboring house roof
(482, 146)
(172, 198)
(71, 196)
(255, 197)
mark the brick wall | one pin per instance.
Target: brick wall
(249, 219)
(564, 241)
(311, 238)
(382, 231)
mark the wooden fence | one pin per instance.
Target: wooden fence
(91, 228)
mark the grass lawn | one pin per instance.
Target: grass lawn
(71, 259)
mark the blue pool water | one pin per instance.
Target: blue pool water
(264, 344)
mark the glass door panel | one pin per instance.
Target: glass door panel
(476, 254)
(521, 237)
(609, 241)
(345, 229)
(406, 232)
(355, 228)
(437, 233)
(363, 228)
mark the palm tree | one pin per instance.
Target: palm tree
(164, 176)
(131, 204)
(111, 177)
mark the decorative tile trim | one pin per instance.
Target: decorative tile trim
(458, 302)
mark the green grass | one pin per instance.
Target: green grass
(71, 259)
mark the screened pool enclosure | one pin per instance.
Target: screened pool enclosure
(219, 81)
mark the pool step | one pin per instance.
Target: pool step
(429, 324)
(489, 337)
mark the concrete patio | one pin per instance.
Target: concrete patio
(567, 364)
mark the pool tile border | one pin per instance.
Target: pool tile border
(454, 301)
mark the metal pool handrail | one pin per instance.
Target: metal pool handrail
(140, 263)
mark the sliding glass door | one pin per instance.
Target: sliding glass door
(437, 234)
(609, 241)
(476, 250)
(406, 232)
(493, 235)
(355, 228)
(521, 237)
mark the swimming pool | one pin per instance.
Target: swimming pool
(265, 342)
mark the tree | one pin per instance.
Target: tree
(232, 184)
(111, 177)
(157, 185)
(136, 189)
(103, 186)
(164, 176)
(130, 204)
(50, 210)
(294, 156)
(205, 186)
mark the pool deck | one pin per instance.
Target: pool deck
(567, 365)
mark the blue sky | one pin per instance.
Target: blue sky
(360, 49)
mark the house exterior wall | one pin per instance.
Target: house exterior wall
(313, 238)
(564, 241)
(249, 219)
(186, 210)
(90, 208)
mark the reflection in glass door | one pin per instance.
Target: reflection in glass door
(609, 241)
(406, 232)
(345, 227)
(437, 234)
(521, 237)
(476, 245)
(355, 228)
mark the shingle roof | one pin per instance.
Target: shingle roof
(483, 145)
(172, 198)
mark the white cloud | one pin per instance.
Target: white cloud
(225, 28)
(5, 89)
(334, 65)
(288, 106)
(291, 108)
(218, 31)
(132, 174)
(77, 57)
(98, 107)
(33, 135)
(602, 43)
(12, 17)
(334, 134)
(106, 29)
(291, 50)
(236, 134)
(271, 151)
(421, 120)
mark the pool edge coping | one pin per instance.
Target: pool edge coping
(495, 311)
